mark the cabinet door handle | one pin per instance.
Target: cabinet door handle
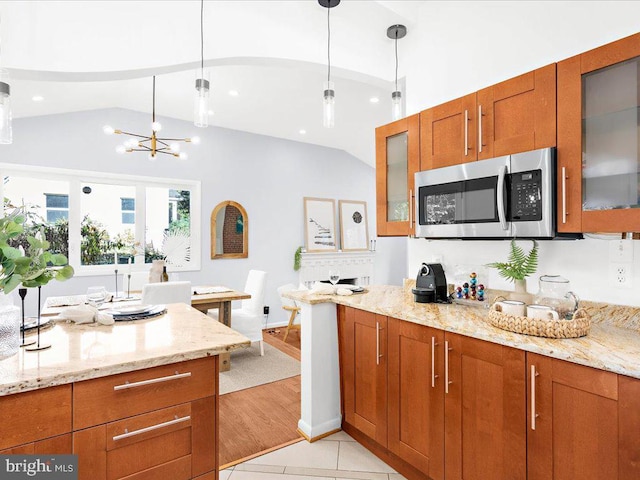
(564, 194)
(151, 428)
(479, 128)
(377, 343)
(466, 133)
(410, 211)
(446, 366)
(142, 383)
(433, 362)
(534, 415)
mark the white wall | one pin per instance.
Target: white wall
(462, 47)
(268, 176)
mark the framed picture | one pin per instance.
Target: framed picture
(320, 224)
(354, 232)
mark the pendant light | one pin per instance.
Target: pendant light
(6, 136)
(329, 93)
(201, 101)
(396, 32)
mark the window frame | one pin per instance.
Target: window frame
(76, 178)
(48, 209)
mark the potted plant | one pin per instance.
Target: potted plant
(518, 266)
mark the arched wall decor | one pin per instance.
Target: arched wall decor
(229, 231)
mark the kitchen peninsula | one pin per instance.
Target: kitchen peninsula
(407, 379)
(135, 399)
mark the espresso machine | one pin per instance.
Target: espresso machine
(431, 284)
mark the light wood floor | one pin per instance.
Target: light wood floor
(259, 419)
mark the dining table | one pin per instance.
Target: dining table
(203, 298)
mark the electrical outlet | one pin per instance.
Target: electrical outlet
(621, 274)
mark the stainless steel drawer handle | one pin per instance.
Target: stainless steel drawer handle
(480, 128)
(446, 367)
(466, 133)
(564, 194)
(142, 383)
(378, 343)
(151, 428)
(433, 362)
(534, 415)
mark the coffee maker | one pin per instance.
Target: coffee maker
(431, 284)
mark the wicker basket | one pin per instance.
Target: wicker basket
(576, 327)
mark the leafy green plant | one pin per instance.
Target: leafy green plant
(297, 257)
(32, 267)
(519, 264)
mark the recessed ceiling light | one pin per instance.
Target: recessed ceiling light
(210, 112)
(37, 98)
(374, 99)
(302, 132)
(233, 93)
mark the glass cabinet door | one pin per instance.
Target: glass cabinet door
(397, 178)
(611, 137)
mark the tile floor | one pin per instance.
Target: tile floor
(337, 457)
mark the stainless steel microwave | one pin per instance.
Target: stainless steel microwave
(503, 197)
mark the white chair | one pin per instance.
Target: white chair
(167, 292)
(248, 319)
(291, 307)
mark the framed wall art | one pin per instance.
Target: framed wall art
(354, 231)
(320, 224)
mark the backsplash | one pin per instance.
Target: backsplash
(585, 263)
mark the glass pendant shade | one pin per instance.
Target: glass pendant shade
(201, 103)
(6, 135)
(329, 113)
(397, 112)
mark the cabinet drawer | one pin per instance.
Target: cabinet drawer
(35, 415)
(179, 469)
(119, 396)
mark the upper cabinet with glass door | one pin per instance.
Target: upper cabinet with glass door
(599, 139)
(397, 160)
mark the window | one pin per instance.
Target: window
(57, 207)
(128, 207)
(109, 219)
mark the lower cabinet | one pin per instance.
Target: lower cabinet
(582, 422)
(448, 407)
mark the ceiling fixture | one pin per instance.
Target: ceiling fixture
(6, 135)
(37, 98)
(395, 32)
(152, 144)
(329, 114)
(374, 99)
(201, 109)
(233, 93)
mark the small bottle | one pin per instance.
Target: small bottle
(165, 275)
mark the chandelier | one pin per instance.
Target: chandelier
(152, 144)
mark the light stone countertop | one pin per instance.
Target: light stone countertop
(608, 346)
(81, 352)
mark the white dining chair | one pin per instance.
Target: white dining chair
(291, 307)
(167, 292)
(248, 319)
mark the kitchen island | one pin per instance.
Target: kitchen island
(137, 399)
(409, 378)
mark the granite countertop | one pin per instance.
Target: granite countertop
(612, 344)
(81, 352)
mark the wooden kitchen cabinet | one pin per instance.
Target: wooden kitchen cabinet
(582, 422)
(416, 396)
(363, 364)
(598, 135)
(513, 116)
(485, 410)
(397, 160)
(156, 423)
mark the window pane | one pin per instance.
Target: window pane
(57, 201)
(128, 217)
(128, 203)
(168, 225)
(30, 193)
(106, 238)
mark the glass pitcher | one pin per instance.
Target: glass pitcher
(555, 293)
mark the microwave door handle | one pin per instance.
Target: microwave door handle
(500, 197)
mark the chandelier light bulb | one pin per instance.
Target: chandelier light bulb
(156, 126)
(183, 156)
(120, 149)
(195, 140)
(396, 105)
(108, 130)
(329, 114)
(174, 147)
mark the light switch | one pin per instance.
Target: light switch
(621, 251)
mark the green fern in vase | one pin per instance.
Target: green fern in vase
(520, 264)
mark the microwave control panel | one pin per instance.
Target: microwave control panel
(526, 196)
